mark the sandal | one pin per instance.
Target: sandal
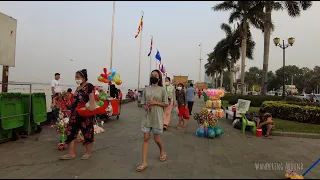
(164, 157)
(141, 168)
(67, 157)
(178, 127)
(165, 127)
(266, 135)
(184, 126)
(85, 156)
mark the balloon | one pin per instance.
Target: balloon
(104, 76)
(117, 74)
(109, 73)
(105, 80)
(105, 70)
(100, 79)
(110, 82)
(200, 132)
(113, 72)
(110, 78)
(115, 79)
(118, 83)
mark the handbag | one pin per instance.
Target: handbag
(186, 114)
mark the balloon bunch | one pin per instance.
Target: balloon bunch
(206, 118)
(109, 77)
(215, 93)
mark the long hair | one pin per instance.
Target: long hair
(160, 77)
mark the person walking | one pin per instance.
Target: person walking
(84, 94)
(190, 93)
(181, 102)
(171, 92)
(154, 99)
(55, 85)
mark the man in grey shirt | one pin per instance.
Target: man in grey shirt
(190, 93)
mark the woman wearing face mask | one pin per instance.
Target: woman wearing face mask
(171, 99)
(83, 94)
(154, 99)
(181, 100)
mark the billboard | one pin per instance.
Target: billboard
(8, 30)
(180, 79)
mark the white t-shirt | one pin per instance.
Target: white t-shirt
(56, 85)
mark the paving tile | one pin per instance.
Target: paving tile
(118, 151)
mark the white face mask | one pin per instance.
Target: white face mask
(179, 88)
(167, 83)
(78, 81)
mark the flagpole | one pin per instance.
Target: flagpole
(140, 55)
(112, 37)
(112, 34)
(150, 65)
(151, 53)
(200, 63)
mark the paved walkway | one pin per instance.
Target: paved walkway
(117, 152)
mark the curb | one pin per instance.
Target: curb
(298, 135)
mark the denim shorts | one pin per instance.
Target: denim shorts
(149, 129)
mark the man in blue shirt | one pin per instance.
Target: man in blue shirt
(190, 93)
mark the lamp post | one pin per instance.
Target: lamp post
(283, 46)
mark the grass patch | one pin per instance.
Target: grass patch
(285, 125)
(291, 126)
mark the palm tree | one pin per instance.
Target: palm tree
(245, 12)
(294, 10)
(210, 69)
(232, 43)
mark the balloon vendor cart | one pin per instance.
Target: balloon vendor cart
(113, 105)
(209, 115)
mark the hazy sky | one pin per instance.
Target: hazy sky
(51, 33)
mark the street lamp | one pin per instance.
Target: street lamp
(283, 46)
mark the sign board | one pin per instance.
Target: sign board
(180, 79)
(243, 106)
(201, 85)
(8, 30)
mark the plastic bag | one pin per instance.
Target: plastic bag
(186, 114)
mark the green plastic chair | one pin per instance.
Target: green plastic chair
(205, 97)
(246, 122)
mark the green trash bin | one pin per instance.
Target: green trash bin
(11, 105)
(38, 112)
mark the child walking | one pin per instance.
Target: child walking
(181, 99)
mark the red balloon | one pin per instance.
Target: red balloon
(105, 80)
(105, 70)
(104, 76)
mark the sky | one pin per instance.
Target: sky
(51, 33)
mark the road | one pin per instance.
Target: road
(117, 153)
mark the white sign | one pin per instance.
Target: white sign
(8, 30)
(243, 106)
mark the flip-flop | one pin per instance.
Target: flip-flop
(141, 168)
(85, 156)
(165, 127)
(164, 157)
(67, 157)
